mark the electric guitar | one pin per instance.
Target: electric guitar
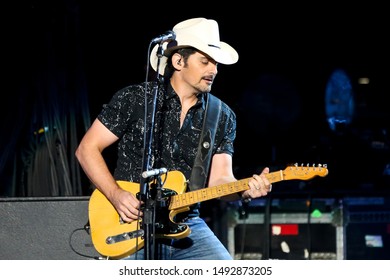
(116, 239)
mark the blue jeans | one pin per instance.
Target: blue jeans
(201, 244)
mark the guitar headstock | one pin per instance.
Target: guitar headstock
(305, 172)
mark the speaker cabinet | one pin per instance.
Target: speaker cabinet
(45, 229)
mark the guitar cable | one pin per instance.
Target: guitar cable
(87, 229)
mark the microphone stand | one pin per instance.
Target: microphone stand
(145, 195)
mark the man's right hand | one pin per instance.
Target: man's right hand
(127, 205)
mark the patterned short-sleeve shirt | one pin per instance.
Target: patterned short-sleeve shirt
(173, 147)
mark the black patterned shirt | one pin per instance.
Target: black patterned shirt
(173, 147)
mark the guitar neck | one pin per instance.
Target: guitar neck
(295, 172)
(192, 197)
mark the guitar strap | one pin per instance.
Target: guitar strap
(206, 142)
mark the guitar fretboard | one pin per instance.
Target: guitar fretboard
(290, 173)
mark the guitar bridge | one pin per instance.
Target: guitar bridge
(124, 236)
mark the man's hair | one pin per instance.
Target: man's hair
(185, 53)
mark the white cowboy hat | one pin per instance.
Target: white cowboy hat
(200, 33)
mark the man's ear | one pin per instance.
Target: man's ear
(176, 60)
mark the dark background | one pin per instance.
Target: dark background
(277, 89)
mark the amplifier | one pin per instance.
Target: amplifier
(46, 228)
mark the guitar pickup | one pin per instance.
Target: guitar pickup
(124, 236)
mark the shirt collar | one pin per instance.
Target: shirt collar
(170, 93)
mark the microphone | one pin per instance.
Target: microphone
(168, 36)
(154, 172)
